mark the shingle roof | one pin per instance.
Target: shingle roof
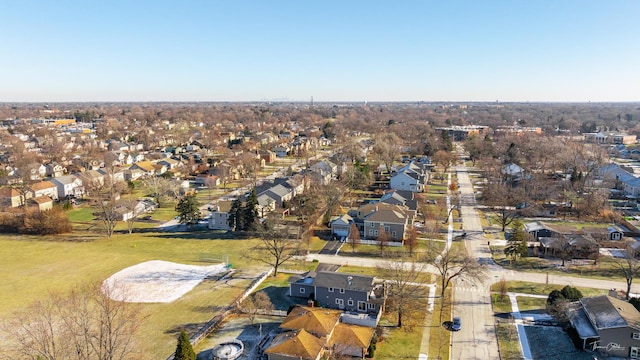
(352, 335)
(317, 321)
(42, 185)
(344, 281)
(606, 312)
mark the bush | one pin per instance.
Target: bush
(635, 302)
(554, 296)
(570, 293)
(33, 221)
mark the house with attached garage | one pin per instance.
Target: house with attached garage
(68, 186)
(313, 333)
(607, 325)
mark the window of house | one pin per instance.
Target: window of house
(370, 231)
(387, 229)
(341, 291)
(371, 306)
(375, 232)
(636, 336)
(302, 290)
(372, 224)
(393, 234)
(350, 302)
(635, 352)
(330, 289)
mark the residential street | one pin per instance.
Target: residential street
(472, 303)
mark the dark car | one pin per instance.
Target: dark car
(456, 324)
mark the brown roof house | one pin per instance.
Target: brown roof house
(10, 197)
(44, 188)
(311, 332)
(607, 325)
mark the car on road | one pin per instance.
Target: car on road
(456, 324)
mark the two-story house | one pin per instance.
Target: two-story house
(219, 219)
(44, 188)
(348, 292)
(68, 185)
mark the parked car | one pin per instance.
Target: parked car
(456, 325)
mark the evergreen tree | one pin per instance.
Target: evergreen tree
(236, 216)
(188, 210)
(250, 211)
(184, 350)
(517, 243)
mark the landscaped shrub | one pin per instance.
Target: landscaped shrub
(570, 293)
(49, 222)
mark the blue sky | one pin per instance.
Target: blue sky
(134, 50)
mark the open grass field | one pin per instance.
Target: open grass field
(34, 266)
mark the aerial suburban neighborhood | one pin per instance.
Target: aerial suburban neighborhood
(335, 180)
(347, 244)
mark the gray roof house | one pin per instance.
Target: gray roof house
(279, 193)
(357, 294)
(68, 185)
(607, 325)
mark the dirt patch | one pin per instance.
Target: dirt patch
(158, 281)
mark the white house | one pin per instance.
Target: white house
(68, 185)
(219, 219)
(408, 181)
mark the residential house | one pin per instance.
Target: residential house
(576, 245)
(322, 172)
(281, 151)
(401, 197)
(40, 203)
(411, 177)
(53, 169)
(219, 219)
(394, 219)
(91, 178)
(146, 167)
(607, 325)
(610, 233)
(68, 186)
(170, 163)
(44, 188)
(295, 345)
(313, 332)
(279, 193)
(266, 204)
(357, 294)
(10, 197)
(341, 226)
(268, 156)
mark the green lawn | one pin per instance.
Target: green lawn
(32, 267)
(508, 341)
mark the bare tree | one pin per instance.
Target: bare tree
(161, 188)
(403, 277)
(628, 266)
(256, 303)
(85, 324)
(383, 240)
(275, 247)
(454, 263)
(105, 196)
(411, 241)
(354, 237)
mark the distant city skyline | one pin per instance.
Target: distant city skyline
(347, 51)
